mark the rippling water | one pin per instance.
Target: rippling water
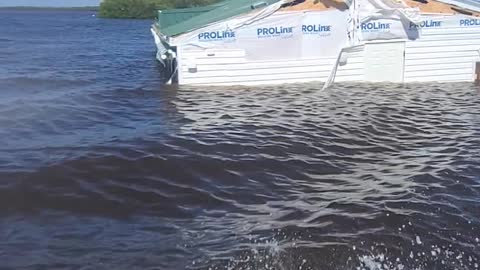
(103, 167)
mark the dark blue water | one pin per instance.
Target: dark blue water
(104, 167)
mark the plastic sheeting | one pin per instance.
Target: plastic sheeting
(384, 20)
(396, 28)
(282, 35)
(388, 28)
(462, 22)
(272, 34)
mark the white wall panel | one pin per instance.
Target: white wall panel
(444, 54)
(233, 70)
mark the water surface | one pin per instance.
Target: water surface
(104, 167)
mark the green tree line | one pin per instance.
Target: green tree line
(143, 9)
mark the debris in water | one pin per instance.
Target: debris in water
(419, 242)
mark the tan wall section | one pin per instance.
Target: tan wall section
(315, 5)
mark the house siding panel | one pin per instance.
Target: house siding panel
(444, 54)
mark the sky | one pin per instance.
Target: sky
(49, 3)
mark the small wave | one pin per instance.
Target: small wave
(39, 84)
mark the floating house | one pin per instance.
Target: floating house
(253, 42)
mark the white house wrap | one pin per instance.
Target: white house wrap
(280, 36)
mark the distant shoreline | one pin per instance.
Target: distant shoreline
(52, 8)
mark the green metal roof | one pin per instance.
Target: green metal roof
(177, 21)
